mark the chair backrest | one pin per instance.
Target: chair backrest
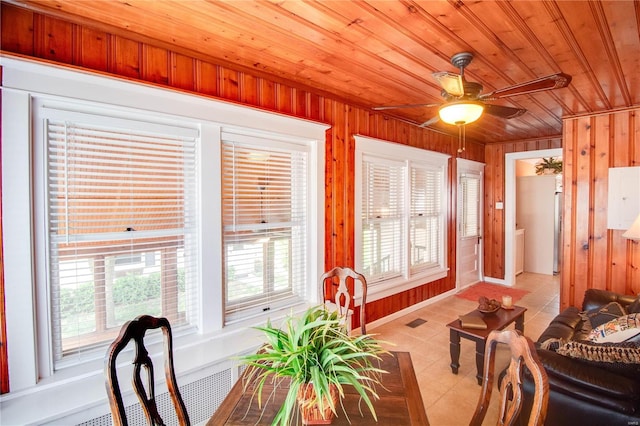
(523, 352)
(342, 297)
(135, 331)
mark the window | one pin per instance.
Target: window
(382, 219)
(400, 215)
(265, 214)
(117, 199)
(121, 222)
(426, 217)
(470, 205)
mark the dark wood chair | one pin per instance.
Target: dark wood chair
(342, 299)
(135, 331)
(523, 353)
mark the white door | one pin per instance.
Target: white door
(469, 244)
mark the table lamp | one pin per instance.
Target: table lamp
(633, 233)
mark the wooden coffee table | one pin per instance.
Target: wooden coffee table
(495, 321)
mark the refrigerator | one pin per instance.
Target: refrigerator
(557, 233)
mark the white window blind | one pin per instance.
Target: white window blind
(264, 214)
(425, 234)
(470, 204)
(382, 219)
(122, 225)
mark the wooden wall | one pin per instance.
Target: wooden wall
(590, 146)
(494, 188)
(48, 38)
(594, 256)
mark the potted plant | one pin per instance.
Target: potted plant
(549, 166)
(319, 357)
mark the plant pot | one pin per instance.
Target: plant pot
(309, 411)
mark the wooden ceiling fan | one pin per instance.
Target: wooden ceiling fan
(465, 102)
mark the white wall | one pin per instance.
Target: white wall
(525, 168)
(535, 214)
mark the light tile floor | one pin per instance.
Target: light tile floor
(450, 399)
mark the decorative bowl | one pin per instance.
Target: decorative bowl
(491, 309)
(488, 306)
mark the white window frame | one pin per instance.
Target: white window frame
(258, 305)
(30, 350)
(390, 151)
(91, 114)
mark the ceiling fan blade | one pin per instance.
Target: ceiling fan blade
(382, 108)
(550, 82)
(452, 83)
(430, 121)
(503, 111)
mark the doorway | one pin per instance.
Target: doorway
(510, 207)
(469, 223)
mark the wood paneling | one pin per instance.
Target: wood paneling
(591, 145)
(380, 52)
(93, 49)
(17, 30)
(594, 256)
(494, 245)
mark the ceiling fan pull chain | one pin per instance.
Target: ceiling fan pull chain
(462, 138)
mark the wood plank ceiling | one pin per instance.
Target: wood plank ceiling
(375, 53)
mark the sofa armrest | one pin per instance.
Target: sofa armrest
(590, 379)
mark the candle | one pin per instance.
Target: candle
(506, 301)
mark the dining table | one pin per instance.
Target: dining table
(399, 403)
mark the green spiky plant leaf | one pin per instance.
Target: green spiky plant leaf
(549, 163)
(315, 348)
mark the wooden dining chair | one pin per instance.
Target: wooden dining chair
(523, 353)
(342, 298)
(135, 331)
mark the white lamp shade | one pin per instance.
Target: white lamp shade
(461, 112)
(633, 233)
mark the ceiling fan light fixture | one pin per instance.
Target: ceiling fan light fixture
(461, 112)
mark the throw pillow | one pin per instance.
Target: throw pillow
(617, 330)
(605, 314)
(626, 353)
(552, 344)
(621, 358)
